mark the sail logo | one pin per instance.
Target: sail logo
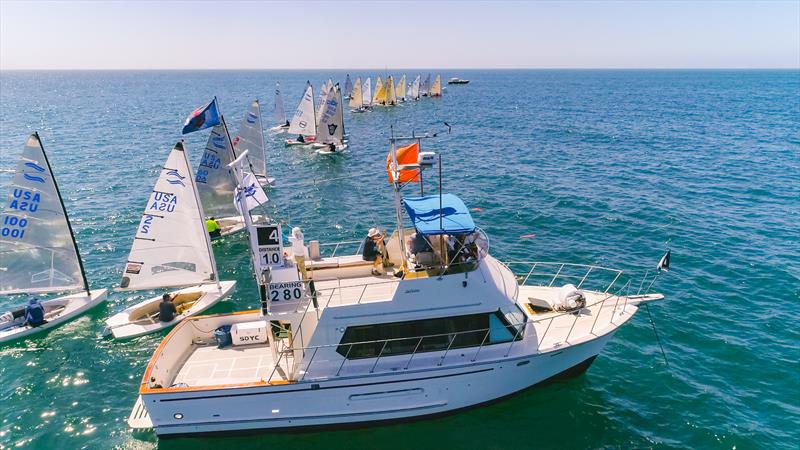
(174, 173)
(164, 202)
(332, 128)
(302, 124)
(24, 200)
(33, 178)
(34, 166)
(251, 118)
(218, 142)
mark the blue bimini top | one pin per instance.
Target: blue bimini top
(425, 213)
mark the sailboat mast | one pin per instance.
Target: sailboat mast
(202, 217)
(66, 216)
(397, 202)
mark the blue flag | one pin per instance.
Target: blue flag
(202, 118)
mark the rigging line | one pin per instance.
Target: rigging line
(658, 339)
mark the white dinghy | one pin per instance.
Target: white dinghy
(215, 183)
(304, 121)
(38, 253)
(413, 89)
(171, 249)
(355, 98)
(279, 113)
(251, 137)
(330, 132)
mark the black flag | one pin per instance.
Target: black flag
(664, 263)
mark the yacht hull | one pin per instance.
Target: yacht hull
(386, 397)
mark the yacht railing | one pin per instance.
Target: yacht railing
(547, 273)
(337, 245)
(597, 309)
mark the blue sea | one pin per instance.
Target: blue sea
(607, 167)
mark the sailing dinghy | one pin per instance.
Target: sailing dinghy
(251, 137)
(279, 113)
(379, 99)
(171, 249)
(436, 89)
(355, 98)
(304, 122)
(330, 133)
(38, 253)
(413, 90)
(400, 90)
(348, 87)
(391, 92)
(424, 89)
(215, 182)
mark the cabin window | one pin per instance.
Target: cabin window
(427, 335)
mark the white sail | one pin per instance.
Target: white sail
(277, 108)
(355, 94)
(366, 92)
(214, 180)
(171, 246)
(330, 129)
(348, 86)
(400, 92)
(251, 137)
(304, 122)
(37, 249)
(323, 95)
(426, 85)
(414, 89)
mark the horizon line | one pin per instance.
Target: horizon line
(384, 69)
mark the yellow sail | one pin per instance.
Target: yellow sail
(391, 95)
(400, 89)
(380, 93)
(355, 94)
(436, 89)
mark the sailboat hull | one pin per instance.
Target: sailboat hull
(235, 224)
(141, 318)
(375, 399)
(58, 311)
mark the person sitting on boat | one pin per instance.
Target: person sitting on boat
(299, 251)
(213, 227)
(34, 312)
(372, 251)
(332, 147)
(166, 309)
(300, 138)
(287, 124)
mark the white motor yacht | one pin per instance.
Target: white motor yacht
(446, 327)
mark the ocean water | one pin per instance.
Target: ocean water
(603, 167)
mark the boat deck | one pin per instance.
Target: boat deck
(208, 365)
(555, 329)
(355, 290)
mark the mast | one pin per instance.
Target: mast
(202, 217)
(248, 222)
(397, 202)
(66, 216)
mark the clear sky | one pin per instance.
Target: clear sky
(339, 34)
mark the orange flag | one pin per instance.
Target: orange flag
(405, 155)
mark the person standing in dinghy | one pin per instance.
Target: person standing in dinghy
(213, 227)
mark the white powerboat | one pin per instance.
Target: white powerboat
(447, 327)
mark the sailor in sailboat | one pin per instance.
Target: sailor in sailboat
(213, 228)
(34, 312)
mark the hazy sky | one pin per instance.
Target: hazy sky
(338, 34)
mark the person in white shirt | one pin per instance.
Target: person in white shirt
(299, 251)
